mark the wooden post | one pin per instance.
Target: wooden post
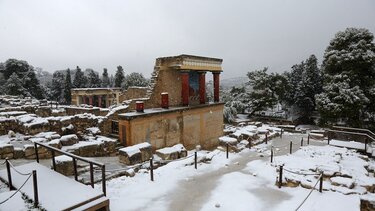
(92, 175)
(308, 139)
(9, 174)
(151, 170)
(365, 145)
(301, 141)
(266, 137)
(35, 185)
(195, 160)
(280, 176)
(271, 154)
(53, 160)
(321, 182)
(36, 152)
(290, 147)
(281, 135)
(227, 150)
(103, 181)
(329, 140)
(75, 169)
(249, 140)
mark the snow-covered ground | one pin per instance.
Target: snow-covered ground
(245, 181)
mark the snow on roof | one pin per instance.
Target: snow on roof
(116, 109)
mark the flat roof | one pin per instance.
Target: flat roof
(99, 88)
(157, 111)
(191, 57)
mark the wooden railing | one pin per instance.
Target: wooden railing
(53, 151)
(361, 137)
(359, 130)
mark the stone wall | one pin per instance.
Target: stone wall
(72, 110)
(200, 125)
(133, 93)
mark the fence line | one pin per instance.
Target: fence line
(308, 195)
(18, 190)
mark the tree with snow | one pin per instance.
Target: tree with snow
(305, 82)
(134, 79)
(80, 79)
(93, 80)
(67, 87)
(269, 89)
(57, 87)
(105, 78)
(349, 79)
(18, 67)
(14, 86)
(119, 76)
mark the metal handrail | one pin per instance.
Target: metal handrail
(75, 157)
(68, 154)
(353, 133)
(357, 129)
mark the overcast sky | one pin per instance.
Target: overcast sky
(248, 35)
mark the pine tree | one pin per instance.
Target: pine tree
(111, 81)
(349, 79)
(14, 85)
(32, 85)
(93, 80)
(67, 88)
(105, 78)
(80, 79)
(119, 77)
(57, 86)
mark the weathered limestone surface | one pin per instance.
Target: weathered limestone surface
(172, 153)
(64, 165)
(135, 154)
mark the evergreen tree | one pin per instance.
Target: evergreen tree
(134, 79)
(57, 87)
(32, 85)
(105, 78)
(349, 79)
(14, 85)
(80, 79)
(119, 76)
(305, 82)
(111, 81)
(15, 66)
(67, 88)
(93, 80)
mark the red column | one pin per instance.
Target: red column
(100, 101)
(91, 100)
(202, 87)
(216, 86)
(185, 88)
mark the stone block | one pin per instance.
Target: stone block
(64, 165)
(69, 140)
(18, 153)
(172, 153)
(6, 151)
(135, 154)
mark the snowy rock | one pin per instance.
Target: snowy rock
(172, 153)
(135, 154)
(342, 181)
(6, 151)
(11, 134)
(64, 165)
(217, 205)
(69, 140)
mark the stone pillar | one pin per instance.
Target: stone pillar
(77, 99)
(99, 101)
(91, 99)
(107, 101)
(185, 87)
(84, 99)
(216, 86)
(202, 87)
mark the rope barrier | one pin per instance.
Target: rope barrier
(308, 195)
(14, 168)
(303, 174)
(5, 161)
(18, 190)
